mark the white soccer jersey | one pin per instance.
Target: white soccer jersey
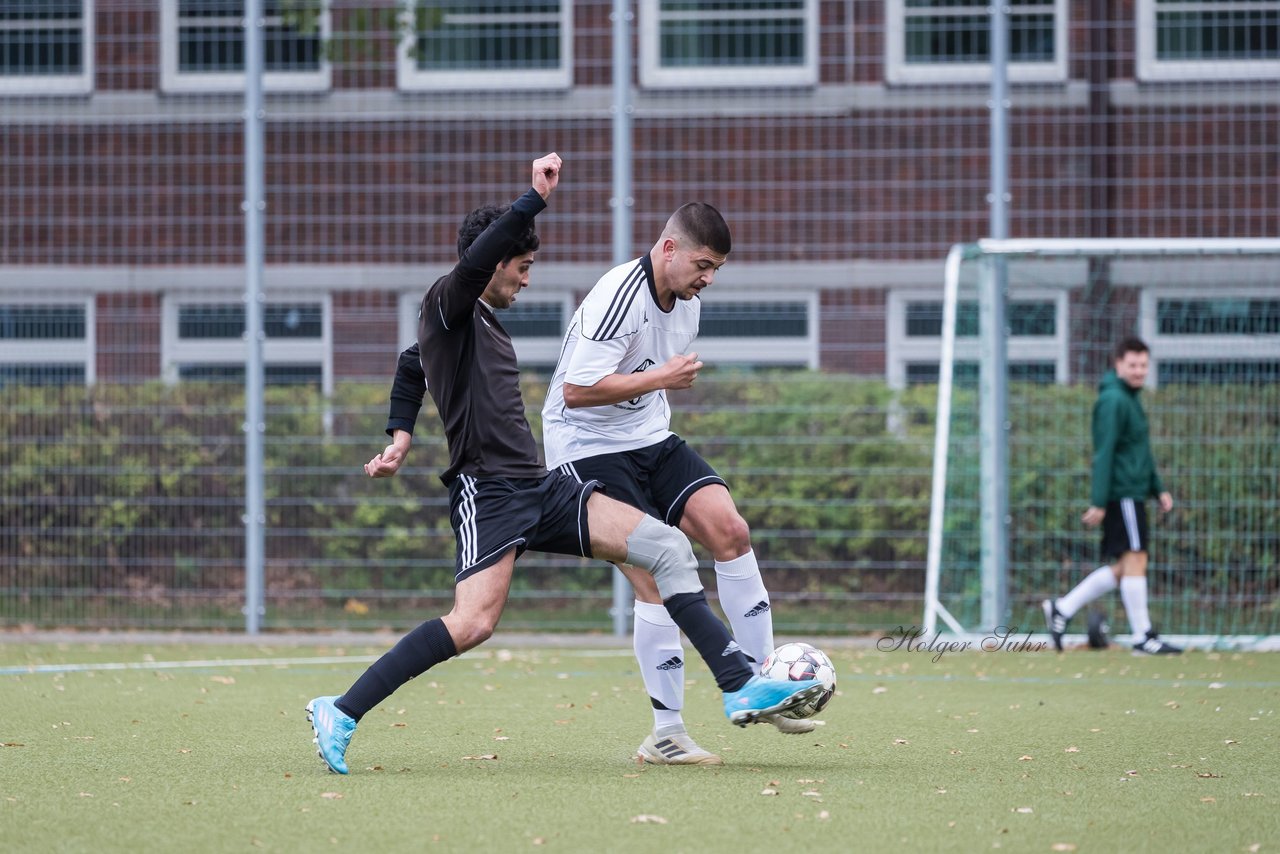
(618, 329)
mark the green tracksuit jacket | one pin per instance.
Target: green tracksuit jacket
(1122, 463)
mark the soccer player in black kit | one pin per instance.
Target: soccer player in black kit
(504, 501)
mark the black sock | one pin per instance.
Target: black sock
(415, 653)
(710, 637)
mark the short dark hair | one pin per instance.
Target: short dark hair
(703, 225)
(481, 218)
(1132, 344)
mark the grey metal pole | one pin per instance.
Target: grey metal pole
(622, 203)
(994, 375)
(254, 420)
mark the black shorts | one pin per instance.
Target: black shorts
(658, 479)
(1124, 528)
(490, 516)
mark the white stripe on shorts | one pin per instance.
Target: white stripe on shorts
(1130, 516)
(567, 468)
(467, 519)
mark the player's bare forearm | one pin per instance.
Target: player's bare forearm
(614, 388)
(679, 372)
(387, 463)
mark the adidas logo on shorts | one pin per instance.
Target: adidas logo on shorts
(672, 663)
(759, 609)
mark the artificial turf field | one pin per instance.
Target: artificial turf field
(194, 748)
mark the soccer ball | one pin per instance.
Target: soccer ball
(798, 661)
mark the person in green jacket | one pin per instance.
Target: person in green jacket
(1124, 476)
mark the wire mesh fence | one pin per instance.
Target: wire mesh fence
(846, 141)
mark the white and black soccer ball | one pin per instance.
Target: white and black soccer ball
(796, 662)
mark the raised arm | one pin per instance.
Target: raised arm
(460, 290)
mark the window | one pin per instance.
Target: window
(701, 43)
(202, 45)
(730, 333)
(1231, 337)
(205, 341)
(1037, 346)
(1208, 39)
(949, 41)
(499, 44)
(46, 47)
(46, 343)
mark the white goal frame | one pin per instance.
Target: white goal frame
(991, 253)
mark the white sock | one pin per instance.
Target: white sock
(746, 604)
(1133, 590)
(656, 639)
(1102, 580)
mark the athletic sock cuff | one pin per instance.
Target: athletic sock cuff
(740, 567)
(654, 614)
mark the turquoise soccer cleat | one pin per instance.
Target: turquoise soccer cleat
(333, 731)
(762, 696)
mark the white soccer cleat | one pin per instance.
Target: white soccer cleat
(788, 726)
(675, 747)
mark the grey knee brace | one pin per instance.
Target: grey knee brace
(666, 553)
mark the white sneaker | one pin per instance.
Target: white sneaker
(788, 726)
(675, 747)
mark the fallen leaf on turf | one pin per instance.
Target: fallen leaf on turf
(1023, 810)
(1025, 758)
(1063, 846)
(502, 738)
(1208, 800)
(1254, 848)
(223, 680)
(1072, 749)
(538, 840)
(879, 689)
(399, 724)
(184, 749)
(648, 819)
(900, 741)
(631, 776)
(824, 815)
(1230, 741)
(1208, 775)
(768, 791)
(1172, 705)
(483, 756)
(86, 794)
(13, 744)
(332, 796)
(811, 794)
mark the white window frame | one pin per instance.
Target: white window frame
(175, 81)
(654, 76)
(1202, 348)
(901, 350)
(539, 351)
(176, 351)
(54, 351)
(60, 84)
(899, 71)
(786, 351)
(410, 78)
(1151, 67)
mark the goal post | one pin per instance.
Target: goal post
(1012, 429)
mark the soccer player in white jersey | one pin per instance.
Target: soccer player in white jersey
(607, 418)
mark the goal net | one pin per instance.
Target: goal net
(1013, 444)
